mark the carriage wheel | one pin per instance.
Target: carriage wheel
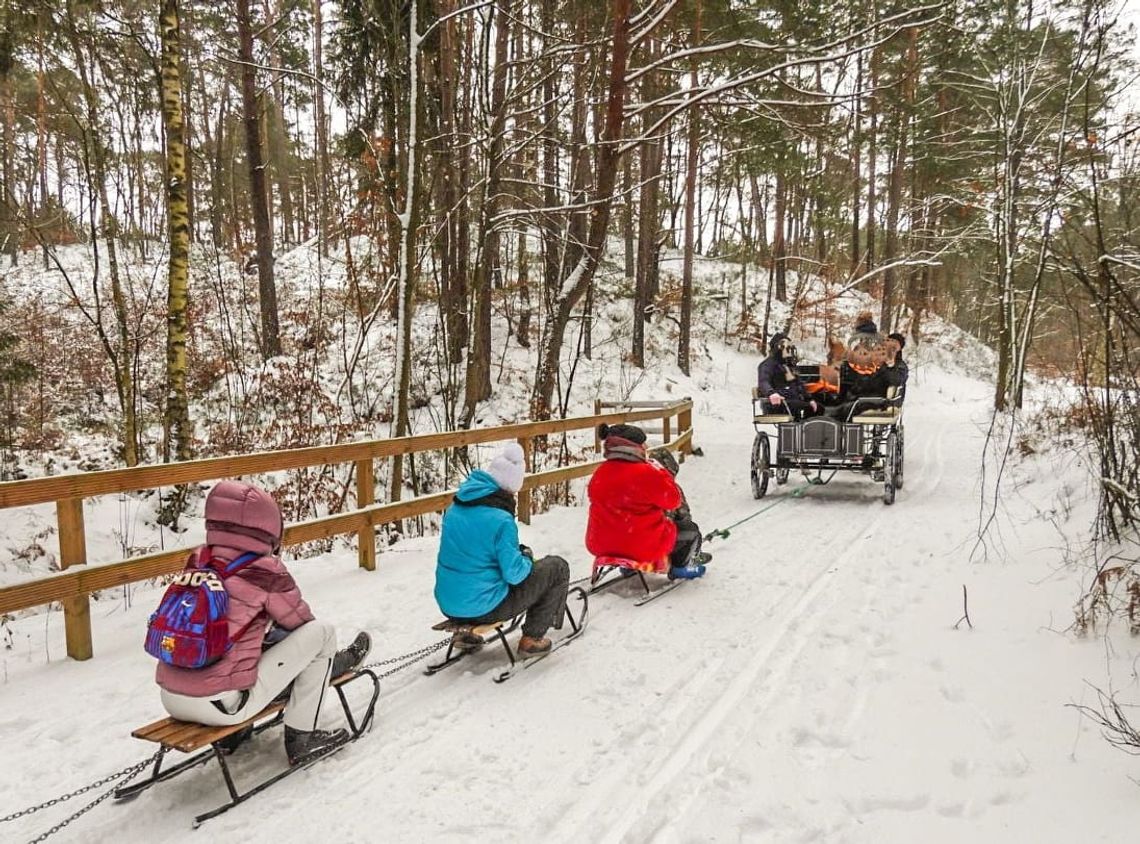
(890, 468)
(761, 465)
(899, 459)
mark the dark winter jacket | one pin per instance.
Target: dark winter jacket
(854, 384)
(479, 556)
(773, 376)
(628, 506)
(902, 369)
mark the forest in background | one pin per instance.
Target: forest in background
(471, 165)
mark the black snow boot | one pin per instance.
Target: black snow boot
(303, 744)
(235, 740)
(352, 657)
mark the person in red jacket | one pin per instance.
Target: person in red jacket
(631, 499)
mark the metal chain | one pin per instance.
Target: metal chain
(126, 775)
(401, 662)
(407, 659)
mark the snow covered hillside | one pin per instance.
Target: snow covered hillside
(812, 687)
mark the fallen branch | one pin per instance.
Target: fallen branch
(965, 610)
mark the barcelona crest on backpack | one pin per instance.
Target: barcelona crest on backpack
(190, 628)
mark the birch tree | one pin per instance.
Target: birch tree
(177, 442)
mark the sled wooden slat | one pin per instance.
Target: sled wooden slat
(188, 736)
(449, 626)
(772, 418)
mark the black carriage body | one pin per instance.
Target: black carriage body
(819, 437)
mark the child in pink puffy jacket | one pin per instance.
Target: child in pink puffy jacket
(265, 607)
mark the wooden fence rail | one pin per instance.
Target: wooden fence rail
(72, 586)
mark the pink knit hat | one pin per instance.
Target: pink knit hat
(244, 517)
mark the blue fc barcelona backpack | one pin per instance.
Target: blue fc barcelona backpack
(190, 628)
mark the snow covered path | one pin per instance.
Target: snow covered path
(810, 688)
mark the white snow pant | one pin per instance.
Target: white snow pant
(302, 658)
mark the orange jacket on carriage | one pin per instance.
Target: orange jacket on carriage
(627, 519)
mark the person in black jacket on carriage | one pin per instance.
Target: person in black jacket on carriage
(870, 370)
(779, 384)
(900, 364)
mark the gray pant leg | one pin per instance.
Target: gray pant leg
(687, 544)
(542, 596)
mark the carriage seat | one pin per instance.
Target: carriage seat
(881, 415)
(763, 417)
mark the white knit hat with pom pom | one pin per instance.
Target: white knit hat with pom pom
(508, 467)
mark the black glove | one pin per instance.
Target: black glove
(526, 552)
(273, 635)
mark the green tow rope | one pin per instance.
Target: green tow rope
(723, 533)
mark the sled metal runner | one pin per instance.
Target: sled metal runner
(470, 638)
(606, 576)
(188, 737)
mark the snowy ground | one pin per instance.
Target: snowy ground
(811, 688)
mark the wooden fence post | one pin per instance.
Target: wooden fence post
(73, 552)
(685, 423)
(524, 494)
(365, 495)
(665, 431)
(597, 439)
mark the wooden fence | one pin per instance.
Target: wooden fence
(73, 585)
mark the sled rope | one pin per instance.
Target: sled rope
(723, 533)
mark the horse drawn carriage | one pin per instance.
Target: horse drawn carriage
(862, 435)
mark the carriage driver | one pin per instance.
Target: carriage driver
(780, 384)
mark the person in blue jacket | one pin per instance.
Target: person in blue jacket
(482, 573)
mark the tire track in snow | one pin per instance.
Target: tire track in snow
(611, 788)
(792, 633)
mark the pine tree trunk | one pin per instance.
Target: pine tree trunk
(627, 229)
(550, 109)
(409, 219)
(177, 417)
(694, 157)
(856, 174)
(872, 155)
(323, 168)
(648, 222)
(890, 250)
(453, 286)
(41, 132)
(779, 240)
(478, 383)
(263, 230)
(9, 235)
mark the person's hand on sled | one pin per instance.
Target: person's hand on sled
(775, 399)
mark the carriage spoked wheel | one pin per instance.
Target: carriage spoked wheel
(899, 459)
(761, 465)
(890, 468)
